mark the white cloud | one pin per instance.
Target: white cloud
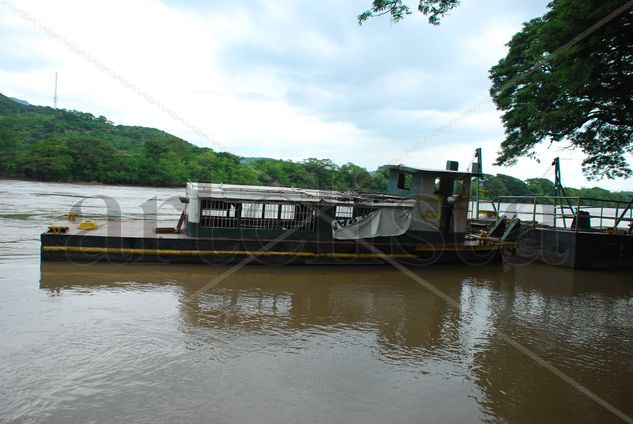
(488, 46)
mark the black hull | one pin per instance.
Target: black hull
(87, 248)
(577, 250)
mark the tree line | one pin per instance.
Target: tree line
(49, 144)
(492, 187)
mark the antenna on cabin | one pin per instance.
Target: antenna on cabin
(55, 96)
(477, 169)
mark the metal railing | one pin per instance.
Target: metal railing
(568, 211)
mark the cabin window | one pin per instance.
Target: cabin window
(287, 212)
(253, 215)
(266, 216)
(458, 187)
(252, 210)
(344, 212)
(404, 181)
(218, 214)
(347, 212)
(304, 218)
(270, 219)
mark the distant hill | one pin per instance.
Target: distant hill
(31, 124)
(20, 101)
(7, 104)
(48, 144)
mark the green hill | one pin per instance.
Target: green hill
(48, 144)
(31, 124)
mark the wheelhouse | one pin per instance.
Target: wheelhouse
(442, 196)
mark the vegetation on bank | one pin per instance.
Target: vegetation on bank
(49, 144)
(505, 185)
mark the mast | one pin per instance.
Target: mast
(560, 192)
(479, 172)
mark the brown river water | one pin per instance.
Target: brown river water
(109, 343)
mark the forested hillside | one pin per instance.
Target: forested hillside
(505, 185)
(63, 145)
(47, 144)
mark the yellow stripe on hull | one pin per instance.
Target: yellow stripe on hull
(172, 252)
(175, 252)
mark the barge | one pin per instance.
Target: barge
(421, 220)
(571, 232)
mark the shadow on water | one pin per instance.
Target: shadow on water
(580, 322)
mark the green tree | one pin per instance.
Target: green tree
(91, 159)
(10, 149)
(122, 168)
(434, 9)
(514, 186)
(298, 176)
(271, 172)
(493, 187)
(560, 83)
(242, 174)
(540, 186)
(352, 177)
(155, 148)
(380, 180)
(323, 171)
(48, 160)
(204, 167)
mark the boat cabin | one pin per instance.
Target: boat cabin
(442, 196)
(223, 209)
(417, 201)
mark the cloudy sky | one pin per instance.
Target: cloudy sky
(287, 79)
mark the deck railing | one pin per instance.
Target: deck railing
(558, 211)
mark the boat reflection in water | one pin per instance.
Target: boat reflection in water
(351, 343)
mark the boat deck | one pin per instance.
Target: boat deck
(146, 230)
(136, 229)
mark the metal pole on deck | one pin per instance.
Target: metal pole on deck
(479, 175)
(623, 215)
(477, 208)
(560, 191)
(615, 218)
(577, 219)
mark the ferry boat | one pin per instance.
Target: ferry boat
(421, 220)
